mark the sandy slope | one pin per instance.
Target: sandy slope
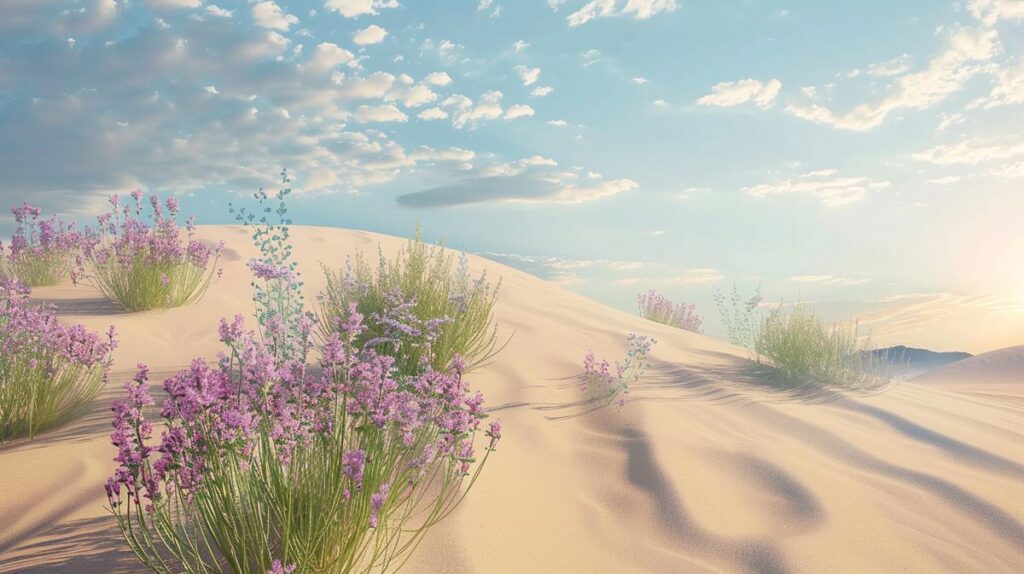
(999, 372)
(706, 468)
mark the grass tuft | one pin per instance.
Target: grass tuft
(48, 372)
(807, 351)
(426, 282)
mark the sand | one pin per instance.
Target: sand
(706, 468)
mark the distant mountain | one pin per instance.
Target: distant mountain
(919, 361)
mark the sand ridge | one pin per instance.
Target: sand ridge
(706, 468)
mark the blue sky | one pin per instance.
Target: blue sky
(864, 156)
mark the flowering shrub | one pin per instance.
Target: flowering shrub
(656, 307)
(149, 265)
(603, 384)
(268, 464)
(739, 315)
(807, 351)
(48, 371)
(42, 251)
(418, 307)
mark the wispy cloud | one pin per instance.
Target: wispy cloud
(729, 94)
(832, 189)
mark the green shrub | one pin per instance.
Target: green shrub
(805, 350)
(422, 281)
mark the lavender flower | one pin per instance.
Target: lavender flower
(656, 307)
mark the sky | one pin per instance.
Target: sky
(866, 157)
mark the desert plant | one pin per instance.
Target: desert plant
(418, 295)
(739, 315)
(42, 252)
(270, 465)
(601, 384)
(658, 308)
(149, 265)
(806, 350)
(48, 371)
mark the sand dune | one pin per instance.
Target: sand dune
(705, 469)
(1000, 371)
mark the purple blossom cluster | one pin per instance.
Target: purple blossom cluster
(146, 263)
(659, 308)
(603, 383)
(47, 370)
(351, 435)
(251, 396)
(43, 251)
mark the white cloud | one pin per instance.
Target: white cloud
(465, 113)
(639, 9)
(528, 75)
(269, 15)
(558, 123)
(327, 56)
(946, 74)
(945, 180)
(893, 67)
(697, 277)
(640, 80)
(728, 94)
(590, 57)
(354, 8)
(372, 34)
(518, 111)
(169, 4)
(659, 103)
(947, 121)
(541, 91)
(433, 114)
(418, 95)
(826, 185)
(384, 113)
(827, 280)
(438, 79)
(1009, 88)
(215, 10)
(520, 45)
(971, 152)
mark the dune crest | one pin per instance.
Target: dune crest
(706, 468)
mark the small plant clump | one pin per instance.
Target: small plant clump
(658, 308)
(42, 252)
(270, 464)
(419, 306)
(601, 384)
(149, 265)
(739, 315)
(805, 350)
(48, 371)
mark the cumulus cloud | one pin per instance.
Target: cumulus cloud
(269, 15)
(438, 79)
(638, 9)
(530, 180)
(518, 111)
(208, 101)
(372, 34)
(1009, 88)
(728, 94)
(356, 8)
(219, 12)
(541, 91)
(384, 113)
(528, 75)
(433, 114)
(832, 189)
(328, 56)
